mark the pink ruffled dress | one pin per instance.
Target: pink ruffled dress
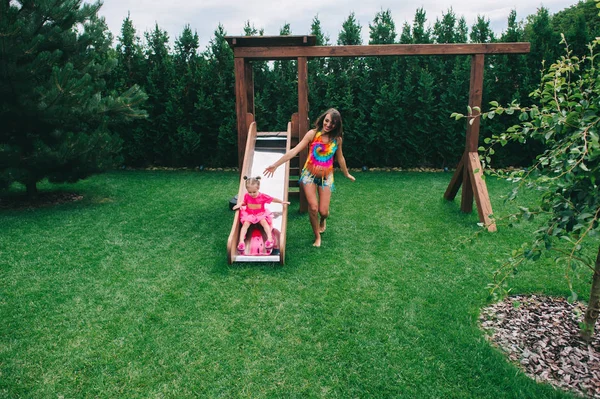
(254, 216)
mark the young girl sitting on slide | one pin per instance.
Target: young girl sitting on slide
(253, 211)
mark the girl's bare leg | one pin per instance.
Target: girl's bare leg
(310, 190)
(324, 200)
(243, 231)
(267, 229)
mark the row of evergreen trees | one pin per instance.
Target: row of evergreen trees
(62, 77)
(395, 109)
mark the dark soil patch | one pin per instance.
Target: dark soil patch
(41, 200)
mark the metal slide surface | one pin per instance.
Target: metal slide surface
(262, 150)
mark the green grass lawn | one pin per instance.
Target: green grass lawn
(128, 294)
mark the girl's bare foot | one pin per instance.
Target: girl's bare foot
(317, 242)
(323, 225)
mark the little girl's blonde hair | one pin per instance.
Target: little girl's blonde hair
(252, 181)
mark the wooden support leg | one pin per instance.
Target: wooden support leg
(456, 181)
(479, 188)
(241, 106)
(468, 172)
(466, 200)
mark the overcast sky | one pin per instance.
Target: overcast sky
(203, 16)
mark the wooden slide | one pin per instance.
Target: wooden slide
(262, 150)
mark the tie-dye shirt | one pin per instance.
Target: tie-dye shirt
(320, 156)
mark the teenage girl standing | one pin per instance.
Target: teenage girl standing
(324, 143)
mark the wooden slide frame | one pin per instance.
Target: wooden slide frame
(300, 48)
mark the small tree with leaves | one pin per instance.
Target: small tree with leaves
(566, 120)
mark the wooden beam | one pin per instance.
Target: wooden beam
(241, 107)
(379, 50)
(482, 198)
(302, 118)
(271, 41)
(249, 87)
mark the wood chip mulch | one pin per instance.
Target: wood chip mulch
(541, 335)
(41, 200)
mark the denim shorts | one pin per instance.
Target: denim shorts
(308, 178)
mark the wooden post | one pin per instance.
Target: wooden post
(294, 122)
(475, 94)
(466, 199)
(472, 135)
(241, 107)
(249, 73)
(468, 172)
(302, 119)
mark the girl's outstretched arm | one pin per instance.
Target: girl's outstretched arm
(339, 157)
(308, 137)
(239, 205)
(278, 201)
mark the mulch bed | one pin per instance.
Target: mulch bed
(41, 200)
(541, 335)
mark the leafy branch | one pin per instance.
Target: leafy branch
(565, 119)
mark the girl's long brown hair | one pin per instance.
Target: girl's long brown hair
(336, 118)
